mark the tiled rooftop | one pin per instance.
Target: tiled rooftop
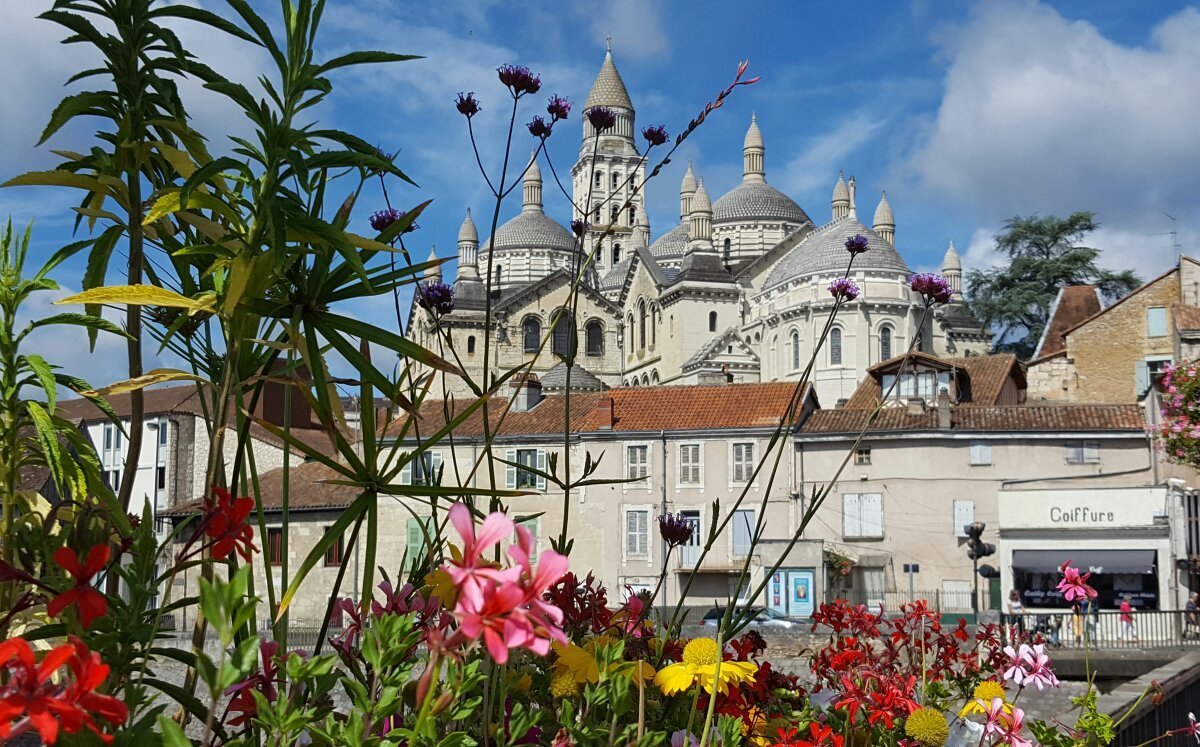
(987, 375)
(1015, 418)
(1074, 304)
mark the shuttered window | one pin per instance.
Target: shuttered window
(637, 462)
(743, 531)
(516, 478)
(981, 454)
(862, 515)
(689, 464)
(964, 515)
(637, 533)
(1083, 452)
(743, 462)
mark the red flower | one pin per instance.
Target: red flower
(30, 700)
(227, 526)
(820, 735)
(90, 602)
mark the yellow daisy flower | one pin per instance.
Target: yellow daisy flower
(700, 657)
(928, 727)
(985, 693)
(563, 685)
(577, 661)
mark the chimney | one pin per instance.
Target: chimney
(272, 401)
(529, 394)
(916, 406)
(943, 410)
(604, 414)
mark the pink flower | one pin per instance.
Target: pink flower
(504, 606)
(1192, 728)
(1006, 726)
(1029, 665)
(1073, 585)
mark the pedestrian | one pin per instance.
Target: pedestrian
(1077, 622)
(1014, 611)
(1093, 622)
(1127, 626)
(1191, 615)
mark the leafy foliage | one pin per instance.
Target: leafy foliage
(1044, 256)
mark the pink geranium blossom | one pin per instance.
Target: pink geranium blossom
(1004, 725)
(1073, 585)
(1029, 665)
(504, 606)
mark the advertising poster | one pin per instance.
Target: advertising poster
(800, 601)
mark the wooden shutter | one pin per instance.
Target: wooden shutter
(964, 514)
(851, 515)
(743, 531)
(1142, 376)
(541, 465)
(510, 470)
(415, 546)
(871, 506)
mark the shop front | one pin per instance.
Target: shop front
(1122, 536)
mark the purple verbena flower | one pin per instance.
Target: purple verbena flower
(558, 107)
(539, 127)
(844, 289)
(934, 288)
(857, 244)
(675, 529)
(467, 104)
(579, 227)
(436, 297)
(384, 218)
(519, 79)
(656, 135)
(601, 118)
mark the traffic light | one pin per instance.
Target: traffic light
(988, 571)
(976, 547)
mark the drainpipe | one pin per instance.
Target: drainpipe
(662, 436)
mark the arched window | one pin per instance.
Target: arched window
(885, 342)
(712, 321)
(835, 347)
(633, 215)
(727, 245)
(498, 268)
(531, 334)
(471, 345)
(772, 358)
(616, 179)
(654, 378)
(561, 342)
(599, 178)
(616, 254)
(594, 333)
(654, 319)
(645, 380)
(596, 213)
(795, 351)
(642, 323)
(629, 333)
(615, 213)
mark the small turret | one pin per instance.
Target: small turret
(433, 274)
(752, 153)
(853, 212)
(641, 232)
(885, 222)
(686, 191)
(533, 186)
(700, 234)
(952, 268)
(841, 198)
(468, 249)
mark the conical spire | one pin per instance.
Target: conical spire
(701, 202)
(468, 249)
(608, 89)
(885, 222)
(641, 232)
(700, 230)
(841, 198)
(433, 274)
(468, 232)
(752, 153)
(852, 187)
(533, 185)
(686, 191)
(952, 268)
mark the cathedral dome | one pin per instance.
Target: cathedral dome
(672, 244)
(532, 229)
(824, 251)
(757, 201)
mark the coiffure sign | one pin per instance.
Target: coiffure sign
(1081, 509)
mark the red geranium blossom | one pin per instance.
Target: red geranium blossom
(90, 602)
(30, 700)
(227, 526)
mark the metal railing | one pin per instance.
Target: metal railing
(939, 600)
(1109, 629)
(303, 639)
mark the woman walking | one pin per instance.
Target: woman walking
(1014, 610)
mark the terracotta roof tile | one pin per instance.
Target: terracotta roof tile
(308, 490)
(1074, 304)
(1015, 418)
(987, 375)
(635, 409)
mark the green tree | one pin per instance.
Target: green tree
(1045, 254)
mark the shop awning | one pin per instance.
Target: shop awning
(1096, 561)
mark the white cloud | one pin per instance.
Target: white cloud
(1042, 114)
(635, 28)
(817, 165)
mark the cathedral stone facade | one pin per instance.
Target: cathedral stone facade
(735, 292)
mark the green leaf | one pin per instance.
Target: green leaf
(56, 179)
(364, 58)
(157, 376)
(96, 323)
(139, 295)
(85, 102)
(206, 17)
(317, 554)
(172, 733)
(45, 375)
(385, 338)
(190, 702)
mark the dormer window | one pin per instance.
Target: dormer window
(925, 385)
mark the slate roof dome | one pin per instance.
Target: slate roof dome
(582, 380)
(752, 200)
(609, 89)
(824, 250)
(533, 230)
(672, 244)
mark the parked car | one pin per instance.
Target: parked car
(762, 617)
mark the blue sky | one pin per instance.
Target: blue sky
(966, 113)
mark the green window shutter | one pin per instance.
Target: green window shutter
(541, 465)
(416, 540)
(510, 470)
(532, 526)
(1143, 377)
(406, 474)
